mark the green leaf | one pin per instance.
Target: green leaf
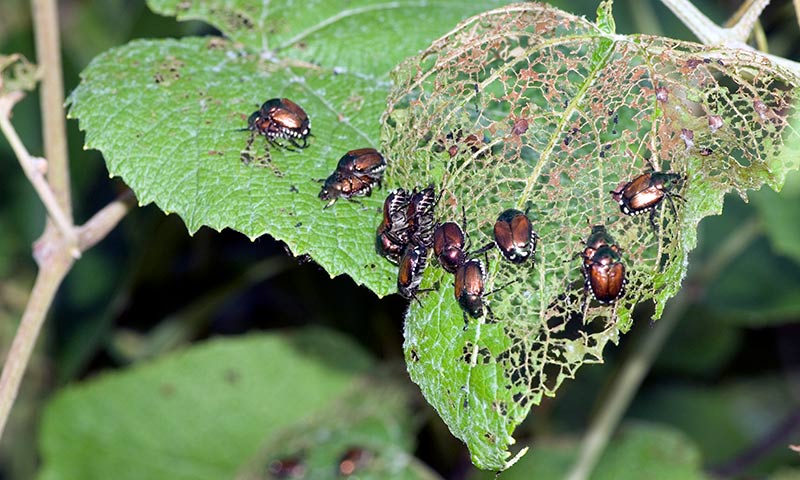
(372, 419)
(530, 107)
(165, 114)
(639, 451)
(200, 413)
(325, 33)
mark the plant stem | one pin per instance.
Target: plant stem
(796, 4)
(57, 248)
(636, 367)
(54, 210)
(701, 26)
(51, 97)
(44, 290)
(55, 261)
(710, 33)
(105, 220)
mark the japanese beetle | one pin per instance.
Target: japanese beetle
(603, 270)
(470, 279)
(392, 234)
(419, 214)
(281, 118)
(597, 239)
(409, 273)
(291, 467)
(345, 186)
(448, 246)
(514, 236)
(604, 273)
(362, 162)
(645, 192)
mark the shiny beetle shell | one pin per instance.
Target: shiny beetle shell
(470, 280)
(645, 192)
(514, 236)
(409, 272)
(419, 215)
(605, 274)
(598, 238)
(346, 187)
(392, 234)
(448, 246)
(362, 162)
(281, 118)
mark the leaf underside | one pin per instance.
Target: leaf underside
(561, 112)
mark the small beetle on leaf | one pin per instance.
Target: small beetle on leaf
(393, 232)
(602, 268)
(514, 236)
(646, 192)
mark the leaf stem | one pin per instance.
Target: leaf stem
(636, 367)
(34, 174)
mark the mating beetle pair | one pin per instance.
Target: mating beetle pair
(405, 235)
(602, 267)
(355, 174)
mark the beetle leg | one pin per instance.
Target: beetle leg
(294, 142)
(585, 307)
(490, 318)
(653, 219)
(245, 154)
(466, 321)
(483, 249)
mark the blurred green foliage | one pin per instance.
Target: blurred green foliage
(150, 289)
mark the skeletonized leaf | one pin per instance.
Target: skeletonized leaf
(532, 108)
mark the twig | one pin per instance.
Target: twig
(797, 10)
(44, 290)
(742, 29)
(710, 33)
(105, 220)
(636, 367)
(58, 248)
(701, 26)
(54, 265)
(54, 210)
(51, 98)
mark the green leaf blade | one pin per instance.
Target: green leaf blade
(168, 127)
(161, 420)
(367, 36)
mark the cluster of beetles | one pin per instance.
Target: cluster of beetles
(408, 229)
